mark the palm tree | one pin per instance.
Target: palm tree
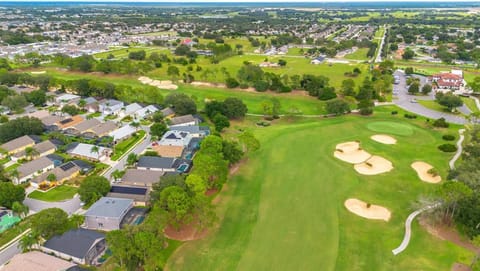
(82, 103)
(28, 241)
(51, 178)
(117, 174)
(96, 150)
(30, 152)
(14, 174)
(135, 125)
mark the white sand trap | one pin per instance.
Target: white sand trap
(373, 166)
(362, 209)
(351, 152)
(208, 84)
(39, 72)
(166, 84)
(384, 139)
(422, 169)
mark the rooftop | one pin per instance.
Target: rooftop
(38, 261)
(139, 177)
(109, 207)
(18, 143)
(75, 243)
(155, 162)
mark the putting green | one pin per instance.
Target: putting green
(389, 127)
(284, 208)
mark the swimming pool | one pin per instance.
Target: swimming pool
(139, 220)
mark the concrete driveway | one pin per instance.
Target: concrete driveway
(404, 100)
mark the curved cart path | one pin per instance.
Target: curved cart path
(411, 217)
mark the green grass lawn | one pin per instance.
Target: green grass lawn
(125, 145)
(59, 193)
(12, 167)
(470, 103)
(360, 54)
(284, 208)
(434, 106)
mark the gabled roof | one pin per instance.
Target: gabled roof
(139, 177)
(41, 148)
(122, 132)
(75, 243)
(34, 166)
(104, 128)
(36, 261)
(18, 143)
(155, 162)
(132, 108)
(85, 125)
(61, 172)
(109, 207)
(182, 119)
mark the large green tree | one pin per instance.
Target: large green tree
(93, 188)
(10, 193)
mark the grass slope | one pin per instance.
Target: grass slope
(58, 193)
(284, 209)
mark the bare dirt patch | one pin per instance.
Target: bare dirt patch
(422, 170)
(351, 152)
(374, 165)
(166, 84)
(366, 210)
(460, 267)
(384, 139)
(187, 232)
(445, 232)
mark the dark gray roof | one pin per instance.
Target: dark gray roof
(75, 243)
(155, 162)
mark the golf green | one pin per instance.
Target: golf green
(284, 208)
(389, 127)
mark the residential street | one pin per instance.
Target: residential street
(122, 163)
(404, 100)
(9, 252)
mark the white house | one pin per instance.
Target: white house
(146, 111)
(130, 110)
(111, 107)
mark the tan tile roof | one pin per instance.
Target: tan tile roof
(104, 128)
(69, 122)
(36, 261)
(18, 143)
(138, 177)
(169, 151)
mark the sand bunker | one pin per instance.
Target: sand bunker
(373, 166)
(351, 152)
(38, 72)
(384, 139)
(422, 169)
(365, 210)
(167, 84)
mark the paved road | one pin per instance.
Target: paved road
(69, 206)
(408, 229)
(12, 249)
(378, 59)
(459, 149)
(8, 253)
(122, 163)
(404, 100)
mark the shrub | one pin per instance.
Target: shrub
(441, 123)
(448, 137)
(369, 205)
(366, 111)
(410, 116)
(243, 86)
(433, 172)
(394, 112)
(447, 148)
(231, 82)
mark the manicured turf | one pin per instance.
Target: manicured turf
(284, 208)
(470, 103)
(360, 54)
(58, 193)
(389, 127)
(125, 145)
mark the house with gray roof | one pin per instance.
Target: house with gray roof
(18, 144)
(85, 151)
(107, 213)
(146, 111)
(111, 107)
(41, 149)
(82, 246)
(141, 178)
(163, 164)
(33, 168)
(194, 130)
(130, 110)
(187, 120)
